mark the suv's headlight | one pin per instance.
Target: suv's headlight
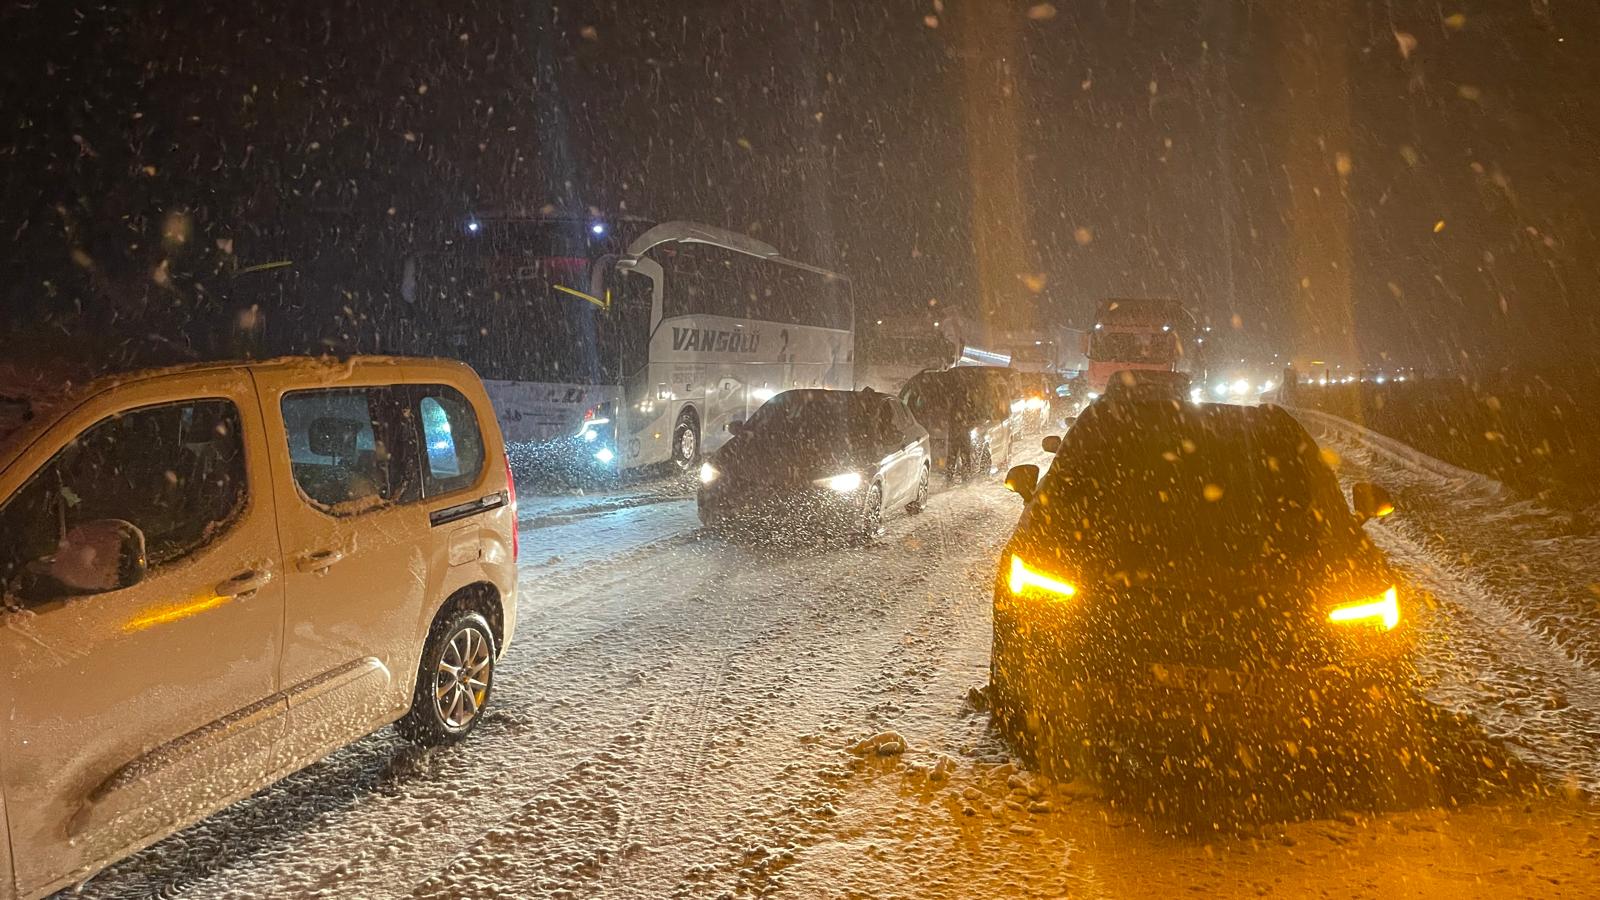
(1025, 578)
(844, 484)
(1382, 612)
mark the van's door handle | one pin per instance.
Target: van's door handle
(244, 584)
(318, 561)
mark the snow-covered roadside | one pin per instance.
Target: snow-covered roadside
(1514, 634)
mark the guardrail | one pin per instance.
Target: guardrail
(1396, 451)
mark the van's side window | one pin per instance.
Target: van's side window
(350, 449)
(174, 471)
(451, 440)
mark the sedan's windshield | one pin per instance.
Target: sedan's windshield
(838, 417)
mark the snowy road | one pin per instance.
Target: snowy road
(676, 714)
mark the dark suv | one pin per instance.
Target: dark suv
(1187, 584)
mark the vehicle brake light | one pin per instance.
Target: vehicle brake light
(1383, 611)
(511, 500)
(1023, 577)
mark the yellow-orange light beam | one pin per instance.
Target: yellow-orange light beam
(1385, 609)
(163, 615)
(1023, 578)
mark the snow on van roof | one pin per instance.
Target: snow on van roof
(34, 391)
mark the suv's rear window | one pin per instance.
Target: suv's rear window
(1171, 481)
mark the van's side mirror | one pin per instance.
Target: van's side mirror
(1051, 443)
(736, 427)
(1370, 501)
(1023, 480)
(99, 556)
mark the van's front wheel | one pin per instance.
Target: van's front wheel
(453, 683)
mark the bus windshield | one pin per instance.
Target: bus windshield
(525, 288)
(1134, 347)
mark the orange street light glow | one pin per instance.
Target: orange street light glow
(1023, 578)
(1385, 609)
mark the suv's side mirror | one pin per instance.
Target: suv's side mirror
(1023, 480)
(1370, 501)
(1051, 443)
(99, 556)
(736, 427)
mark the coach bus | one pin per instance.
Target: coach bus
(613, 345)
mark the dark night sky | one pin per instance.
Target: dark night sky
(1288, 167)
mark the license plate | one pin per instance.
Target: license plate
(1206, 681)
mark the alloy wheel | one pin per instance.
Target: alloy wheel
(461, 684)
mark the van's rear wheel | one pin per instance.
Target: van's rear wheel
(454, 681)
(686, 440)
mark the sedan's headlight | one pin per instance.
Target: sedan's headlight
(708, 473)
(1382, 612)
(844, 484)
(1025, 578)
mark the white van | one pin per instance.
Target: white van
(214, 575)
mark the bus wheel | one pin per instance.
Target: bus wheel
(686, 440)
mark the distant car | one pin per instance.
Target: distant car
(836, 460)
(214, 575)
(1187, 580)
(1036, 393)
(967, 412)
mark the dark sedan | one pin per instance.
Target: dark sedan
(1187, 587)
(836, 460)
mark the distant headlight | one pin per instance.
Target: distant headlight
(1382, 612)
(844, 484)
(1093, 396)
(973, 434)
(1035, 403)
(708, 473)
(605, 455)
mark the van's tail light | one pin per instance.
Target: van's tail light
(511, 500)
